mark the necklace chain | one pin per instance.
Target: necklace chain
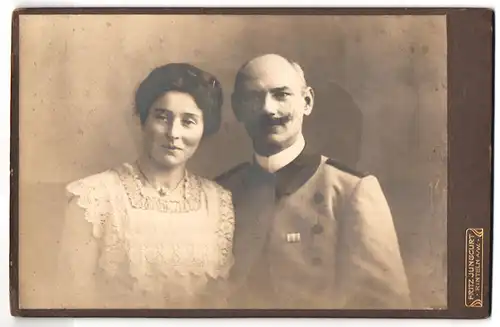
(163, 191)
(135, 187)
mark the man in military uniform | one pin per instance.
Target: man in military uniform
(310, 233)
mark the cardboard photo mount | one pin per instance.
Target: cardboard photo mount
(470, 48)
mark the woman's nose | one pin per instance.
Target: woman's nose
(173, 130)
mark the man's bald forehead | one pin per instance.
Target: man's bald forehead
(262, 64)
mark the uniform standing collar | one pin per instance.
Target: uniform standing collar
(293, 174)
(279, 160)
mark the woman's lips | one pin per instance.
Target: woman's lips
(171, 147)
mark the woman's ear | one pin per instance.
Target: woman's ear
(309, 100)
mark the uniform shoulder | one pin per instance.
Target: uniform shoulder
(343, 177)
(222, 178)
(330, 162)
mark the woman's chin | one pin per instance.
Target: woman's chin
(168, 161)
(171, 163)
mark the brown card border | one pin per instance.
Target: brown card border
(470, 163)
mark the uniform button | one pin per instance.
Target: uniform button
(317, 229)
(317, 261)
(318, 197)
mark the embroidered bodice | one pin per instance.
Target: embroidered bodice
(156, 251)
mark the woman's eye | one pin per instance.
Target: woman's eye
(189, 122)
(162, 117)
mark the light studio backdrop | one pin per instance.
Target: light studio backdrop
(380, 106)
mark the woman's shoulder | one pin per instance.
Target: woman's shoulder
(212, 186)
(97, 184)
(96, 195)
(223, 196)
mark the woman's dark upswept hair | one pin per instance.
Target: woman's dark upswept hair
(183, 77)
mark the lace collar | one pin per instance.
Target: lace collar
(186, 199)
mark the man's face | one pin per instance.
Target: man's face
(271, 102)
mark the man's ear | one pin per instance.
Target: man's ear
(309, 100)
(236, 105)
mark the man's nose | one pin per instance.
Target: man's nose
(269, 104)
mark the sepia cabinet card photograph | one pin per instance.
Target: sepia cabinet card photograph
(251, 162)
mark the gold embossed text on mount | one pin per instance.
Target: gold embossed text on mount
(474, 267)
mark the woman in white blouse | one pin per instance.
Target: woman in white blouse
(149, 233)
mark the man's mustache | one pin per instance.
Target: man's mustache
(274, 120)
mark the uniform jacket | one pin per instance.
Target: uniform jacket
(313, 235)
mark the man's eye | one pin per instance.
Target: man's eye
(281, 95)
(249, 98)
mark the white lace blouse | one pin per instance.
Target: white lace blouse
(126, 246)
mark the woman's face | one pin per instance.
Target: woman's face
(173, 129)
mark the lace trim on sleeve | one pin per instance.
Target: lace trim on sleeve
(91, 195)
(225, 230)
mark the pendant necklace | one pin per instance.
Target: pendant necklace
(161, 190)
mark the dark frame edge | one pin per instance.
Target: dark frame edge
(14, 170)
(492, 162)
(243, 313)
(248, 10)
(470, 148)
(489, 297)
